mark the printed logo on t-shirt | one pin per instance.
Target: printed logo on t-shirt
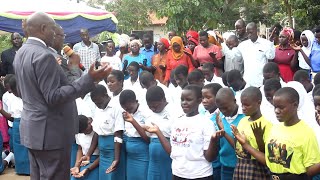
(241, 152)
(180, 137)
(279, 153)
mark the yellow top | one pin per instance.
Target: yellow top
(244, 128)
(291, 149)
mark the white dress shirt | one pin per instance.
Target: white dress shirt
(255, 56)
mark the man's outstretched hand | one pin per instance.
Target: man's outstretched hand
(101, 73)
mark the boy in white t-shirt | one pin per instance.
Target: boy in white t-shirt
(113, 60)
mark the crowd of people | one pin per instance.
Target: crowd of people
(204, 106)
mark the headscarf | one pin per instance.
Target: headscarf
(177, 39)
(306, 109)
(213, 38)
(289, 33)
(165, 42)
(124, 40)
(137, 41)
(193, 36)
(310, 37)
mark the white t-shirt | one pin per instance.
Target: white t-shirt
(163, 120)
(190, 137)
(84, 140)
(215, 79)
(169, 96)
(140, 116)
(83, 108)
(5, 103)
(114, 61)
(109, 120)
(15, 106)
(137, 89)
(255, 55)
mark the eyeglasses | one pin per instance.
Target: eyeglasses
(61, 35)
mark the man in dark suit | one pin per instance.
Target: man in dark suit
(71, 67)
(48, 120)
(7, 56)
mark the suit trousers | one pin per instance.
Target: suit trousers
(50, 164)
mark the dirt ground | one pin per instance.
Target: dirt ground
(9, 174)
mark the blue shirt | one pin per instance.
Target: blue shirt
(148, 53)
(315, 56)
(227, 153)
(139, 59)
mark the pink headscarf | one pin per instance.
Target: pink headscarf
(288, 32)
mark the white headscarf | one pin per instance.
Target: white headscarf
(310, 37)
(306, 109)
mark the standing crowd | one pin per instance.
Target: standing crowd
(205, 106)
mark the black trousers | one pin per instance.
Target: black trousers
(50, 164)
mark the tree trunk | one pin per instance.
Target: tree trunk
(289, 12)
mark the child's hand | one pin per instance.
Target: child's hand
(82, 173)
(162, 67)
(127, 117)
(152, 129)
(240, 137)
(113, 166)
(220, 133)
(74, 171)
(219, 121)
(84, 160)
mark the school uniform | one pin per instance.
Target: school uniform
(83, 109)
(190, 136)
(289, 150)
(137, 89)
(105, 123)
(84, 140)
(215, 79)
(22, 165)
(238, 95)
(247, 166)
(169, 96)
(159, 160)
(137, 150)
(216, 165)
(227, 154)
(176, 94)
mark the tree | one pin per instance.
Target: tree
(131, 14)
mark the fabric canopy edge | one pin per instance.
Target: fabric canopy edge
(63, 16)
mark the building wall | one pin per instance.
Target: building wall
(158, 32)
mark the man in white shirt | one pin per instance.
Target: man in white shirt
(232, 56)
(256, 52)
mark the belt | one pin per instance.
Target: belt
(289, 176)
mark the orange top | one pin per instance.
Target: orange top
(156, 61)
(172, 63)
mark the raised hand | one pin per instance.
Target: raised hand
(240, 137)
(99, 74)
(127, 117)
(213, 55)
(258, 132)
(220, 133)
(152, 129)
(219, 120)
(295, 47)
(113, 166)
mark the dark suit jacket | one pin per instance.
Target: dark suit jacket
(7, 58)
(49, 116)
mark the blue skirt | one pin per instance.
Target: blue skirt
(137, 156)
(160, 162)
(93, 174)
(74, 150)
(106, 147)
(1, 163)
(20, 152)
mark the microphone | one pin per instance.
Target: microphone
(68, 51)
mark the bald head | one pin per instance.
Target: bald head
(59, 38)
(240, 27)
(42, 26)
(225, 94)
(252, 31)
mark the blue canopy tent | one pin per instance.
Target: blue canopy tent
(72, 16)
